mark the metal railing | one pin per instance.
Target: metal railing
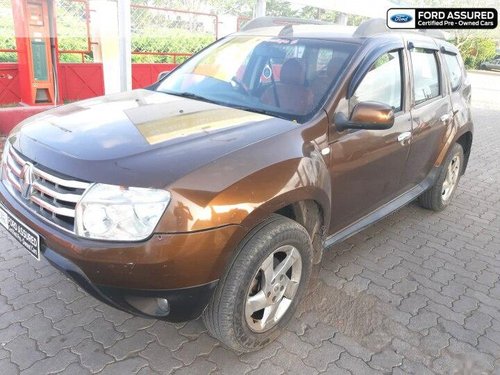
(165, 35)
(8, 51)
(73, 30)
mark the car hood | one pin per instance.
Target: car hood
(139, 138)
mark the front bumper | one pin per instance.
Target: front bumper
(182, 268)
(181, 304)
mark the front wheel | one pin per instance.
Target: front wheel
(259, 294)
(439, 196)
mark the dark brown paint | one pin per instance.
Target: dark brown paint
(226, 179)
(372, 113)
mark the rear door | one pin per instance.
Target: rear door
(431, 110)
(460, 87)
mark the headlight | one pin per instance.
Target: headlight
(116, 213)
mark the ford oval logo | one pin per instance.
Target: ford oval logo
(401, 18)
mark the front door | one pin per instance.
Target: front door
(366, 165)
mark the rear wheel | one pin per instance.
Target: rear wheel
(439, 196)
(259, 294)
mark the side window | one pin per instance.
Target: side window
(425, 75)
(454, 69)
(382, 83)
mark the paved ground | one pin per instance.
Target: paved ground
(417, 293)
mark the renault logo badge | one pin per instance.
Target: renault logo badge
(26, 181)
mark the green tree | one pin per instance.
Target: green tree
(309, 12)
(475, 46)
(464, 34)
(235, 7)
(476, 50)
(7, 40)
(278, 8)
(193, 5)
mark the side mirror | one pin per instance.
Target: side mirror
(366, 115)
(163, 75)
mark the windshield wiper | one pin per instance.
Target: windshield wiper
(226, 104)
(190, 95)
(258, 110)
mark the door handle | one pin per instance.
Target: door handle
(404, 137)
(445, 117)
(448, 116)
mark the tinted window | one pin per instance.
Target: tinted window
(382, 83)
(324, 57)
(328, 67)
(454, 69)
(425, 75)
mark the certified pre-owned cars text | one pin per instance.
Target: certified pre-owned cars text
(442, 18)
(457, 18)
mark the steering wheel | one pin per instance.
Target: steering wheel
(240, 86)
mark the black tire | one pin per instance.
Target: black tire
(225, 316)
(434, 198)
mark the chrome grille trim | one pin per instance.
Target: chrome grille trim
(53, 198)
(13, 168)
(57, 210)
(66, 197)
(46, 176)
(15, 155)
(13, 180)
(59, 181)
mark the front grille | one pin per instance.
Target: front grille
(52, 197)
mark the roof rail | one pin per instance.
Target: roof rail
(366, 28)
(267, 21)
(377, 26)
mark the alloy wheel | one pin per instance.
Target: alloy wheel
(451, 179)
(273, 288)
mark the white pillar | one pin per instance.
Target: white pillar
(124, 31)
(342, 20)
(105, 33)
(260, 8)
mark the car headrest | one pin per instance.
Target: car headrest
(334, 66)
(293, 72)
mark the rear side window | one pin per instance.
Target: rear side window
(425, 75)
(454, 69)
(382, 83)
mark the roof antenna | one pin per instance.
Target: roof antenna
(286, 31)
(371, 27)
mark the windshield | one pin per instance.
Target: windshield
(282, 76)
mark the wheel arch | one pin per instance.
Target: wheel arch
(311, 215)
(465, 140)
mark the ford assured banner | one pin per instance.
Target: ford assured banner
(442, 18)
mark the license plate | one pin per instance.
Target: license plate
(25, 235)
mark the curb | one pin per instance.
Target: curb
(487, 72)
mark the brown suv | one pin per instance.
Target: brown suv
(214, 191)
